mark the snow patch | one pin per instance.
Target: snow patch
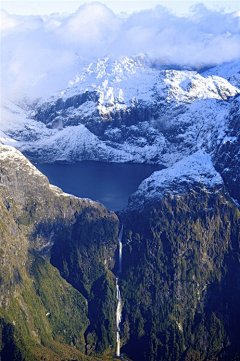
(195, 169)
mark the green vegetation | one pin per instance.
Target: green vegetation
(43, 316)
(83, 258)
(44, 311)
(179, 286)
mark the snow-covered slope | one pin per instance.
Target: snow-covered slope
(226, 156)
(197, 170)
(73, 143)
(125, 80)
(229, 71)
(125, 111)
(109, 91)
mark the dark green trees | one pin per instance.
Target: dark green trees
(180, 269)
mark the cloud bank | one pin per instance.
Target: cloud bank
(41, 54)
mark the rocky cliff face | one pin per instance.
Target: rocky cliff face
(40, 223)
(180, 282)
(227, 155)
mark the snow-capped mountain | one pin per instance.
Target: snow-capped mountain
(228, 71)
(126, 111)
(177, 180)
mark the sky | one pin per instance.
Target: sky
(44, 7)
(43, 43)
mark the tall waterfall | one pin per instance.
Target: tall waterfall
(118, 317)
(119, 301)
(120, 251)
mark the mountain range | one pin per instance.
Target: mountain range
(181, 229)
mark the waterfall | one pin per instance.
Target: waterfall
(118, 317)
(119, 302)
(120, 251)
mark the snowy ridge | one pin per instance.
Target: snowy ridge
(167, 115)
(16, 158)
(197, 169)
(124, 111)
(78, 143)
(122, 82)
(229, 71)
(17, 161)
(18, 126)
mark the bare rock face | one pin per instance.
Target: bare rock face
(227, 155)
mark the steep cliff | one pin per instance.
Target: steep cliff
(180, 280)
(227, 155)
(42, 315)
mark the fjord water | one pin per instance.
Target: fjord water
(108, 183)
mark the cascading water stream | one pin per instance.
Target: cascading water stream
(120, 251)
(118, 317)
(119, 301)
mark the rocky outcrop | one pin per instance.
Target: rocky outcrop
(58, 114)
(227, 155)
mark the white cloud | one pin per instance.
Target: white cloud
(39, 53)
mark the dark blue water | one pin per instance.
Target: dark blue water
(108, 183)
